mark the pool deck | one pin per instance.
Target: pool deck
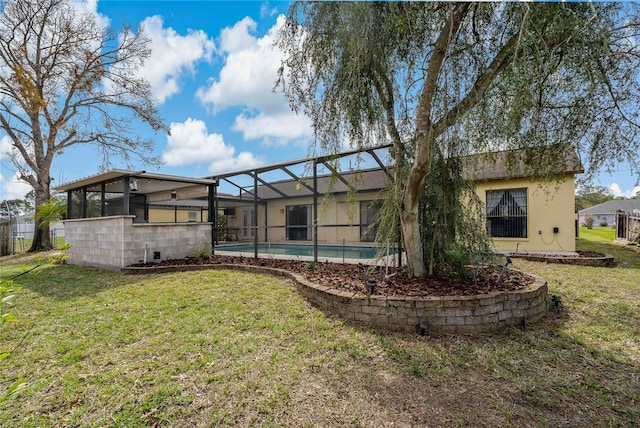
(381, 261)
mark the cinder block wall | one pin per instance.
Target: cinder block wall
(116, 242)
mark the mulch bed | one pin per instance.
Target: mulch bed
(350, 277)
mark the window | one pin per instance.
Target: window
(368, 210)
(299, 222)
(507, 213)
(191, 217)
(248, 223)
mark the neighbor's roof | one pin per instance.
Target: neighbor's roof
(558, 159)
(610, 207)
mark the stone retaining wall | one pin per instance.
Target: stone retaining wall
(425, 315)
(116, 242)
(604, 261)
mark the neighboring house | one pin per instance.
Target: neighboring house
(163, 215)
(606, 211)
(23, 226)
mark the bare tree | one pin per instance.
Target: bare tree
(66, 81)
(440, 80)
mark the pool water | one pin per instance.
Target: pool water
(324, 250)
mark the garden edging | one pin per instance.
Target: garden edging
(483, 313)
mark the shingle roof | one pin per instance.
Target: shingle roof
(610, 207)
(558, 159)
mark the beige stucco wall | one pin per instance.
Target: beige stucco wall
(157, 215)
(336, 210)
(116, 242)
(549, 205)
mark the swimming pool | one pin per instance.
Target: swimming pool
(306, 250)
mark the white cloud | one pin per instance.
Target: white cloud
(13, 187)
(173, 56)
(91, 7)
(275, 129)
(617, 191)
(190, 143)
(247, 80)
(266, 10)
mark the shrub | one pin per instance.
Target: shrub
(203, 252)
(604, 223)
(588, 222)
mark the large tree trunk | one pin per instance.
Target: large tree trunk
(410, 213)
(412, 241)
(41, 236)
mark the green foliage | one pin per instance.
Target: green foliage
(203, 252)
(452, 79)
(7, 290)
(52, 211)
(453, 238)
(604, 223)
(60, 258)
(588, 196)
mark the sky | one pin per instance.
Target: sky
(213, 72)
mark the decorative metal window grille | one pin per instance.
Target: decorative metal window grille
(507, 213)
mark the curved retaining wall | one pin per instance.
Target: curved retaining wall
(432, 315)
(604, 261)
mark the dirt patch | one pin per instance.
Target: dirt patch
(349, 277)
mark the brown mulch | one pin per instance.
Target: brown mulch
(351, 277)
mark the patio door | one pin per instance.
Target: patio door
(299, 222)
(248, 223)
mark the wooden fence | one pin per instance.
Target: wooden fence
(627, 226)
(5, 237)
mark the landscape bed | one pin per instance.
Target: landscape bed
(490, 301)
(582, 258)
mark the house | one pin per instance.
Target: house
(121, 217)
(24, 225)
(606, 211)
(528, 208)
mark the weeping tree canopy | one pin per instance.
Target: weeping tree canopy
(444, 80)
(65, 81)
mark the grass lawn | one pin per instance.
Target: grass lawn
(223, 348)
(598, 234)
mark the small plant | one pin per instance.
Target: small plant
(311, 266)
(60, 258)
(203, 252)
(604, 223)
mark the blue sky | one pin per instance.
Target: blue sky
(213, 70)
